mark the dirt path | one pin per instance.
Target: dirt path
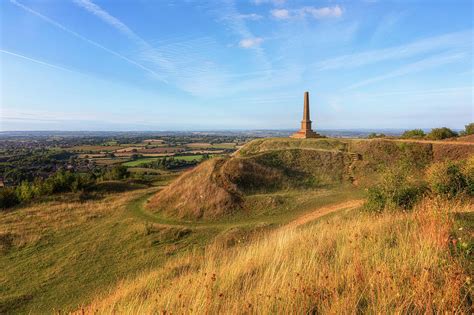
(319, 212)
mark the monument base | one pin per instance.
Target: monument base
(304, 134)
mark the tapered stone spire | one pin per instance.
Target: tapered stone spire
(306, 131)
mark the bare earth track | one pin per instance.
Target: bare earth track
(320, 212)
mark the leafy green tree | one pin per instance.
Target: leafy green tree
(469, 130)
(441, 133)
(413, 134)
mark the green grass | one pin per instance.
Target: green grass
(140, 162)
(63, 254)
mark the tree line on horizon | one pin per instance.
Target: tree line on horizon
(435, 133)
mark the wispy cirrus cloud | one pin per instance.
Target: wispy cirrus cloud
(162, 64)
(424, 64)
(85, 39)
(37, 61)
(106, 17)
(458, 41)
(182, 62)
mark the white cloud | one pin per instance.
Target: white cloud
(250, 16)
(250, 42)
(229, 15)
(280, 13)
(325, 12)
(314, 12)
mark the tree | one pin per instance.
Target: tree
(469, 129)
(413, 134)
(441, 133)
(116, 173)
(373, 135)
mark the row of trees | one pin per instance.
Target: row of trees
(172, 163)
(61, 181)
(438, 133)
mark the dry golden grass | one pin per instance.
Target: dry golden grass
(352, 262)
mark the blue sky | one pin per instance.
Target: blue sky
(234, 64)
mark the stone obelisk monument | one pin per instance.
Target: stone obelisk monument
(306, 131)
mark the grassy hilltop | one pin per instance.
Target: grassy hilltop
(277, 227)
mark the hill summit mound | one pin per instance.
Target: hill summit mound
(219, 187)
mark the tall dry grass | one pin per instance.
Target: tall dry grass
(389, 263)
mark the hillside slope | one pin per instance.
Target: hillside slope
(221, 187)
(349, 263)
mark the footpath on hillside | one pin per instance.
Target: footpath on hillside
(136, 207)
(322, 211)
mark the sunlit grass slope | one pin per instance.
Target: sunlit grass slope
(59, 254)
(350, 262)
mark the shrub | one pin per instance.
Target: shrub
(116, 173)
(8, 198)
(25, 192)
(441, 133)
(451, 178)
(468, 172)
(413, 134)
(61, 181)
(395, 191)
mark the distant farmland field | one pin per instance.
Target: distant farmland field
(95, 148)
(204, 145)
